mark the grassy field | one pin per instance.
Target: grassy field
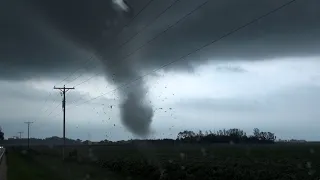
(25, 166)
(247, 162)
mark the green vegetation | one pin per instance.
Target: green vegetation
(35, 166)
(225, 154)
(234, 135)
(24, 167)
(199, 161)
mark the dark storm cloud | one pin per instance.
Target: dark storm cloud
(30, 46)
(45, 36)
(292, 31)
(48, 37)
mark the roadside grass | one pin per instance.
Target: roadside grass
(43, 167)
(74, 170)
(23, 167)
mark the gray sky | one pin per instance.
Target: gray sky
(265, 76)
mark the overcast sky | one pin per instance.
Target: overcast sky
(266, 75)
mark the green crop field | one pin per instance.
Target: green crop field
(43, 167)
(196, 161)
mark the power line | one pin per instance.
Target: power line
(154, 38)
(158, 35)
(198, 49)
(52, 104)
(96, 74)
(135, 17)
(145, 27)
(78, 69)
(45, 101)
(135, 35)
(167, 29)
(126, 25)
(47, 98)
(54, 109)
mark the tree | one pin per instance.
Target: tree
(1, 135)
(256, 132)
(271, 136)
(226, 136)
(186, 135)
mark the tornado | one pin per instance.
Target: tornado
(135, 113)
(135, 110)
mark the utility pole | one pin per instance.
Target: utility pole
(63, 93)
(20, 133)
(28, 123)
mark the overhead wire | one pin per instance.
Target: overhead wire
(91, 58)
(194, 51)
(154, 38)
(146, 26)
(78, 69)
(47, 98)
(125, 26)
(134, 17)
(132, 37)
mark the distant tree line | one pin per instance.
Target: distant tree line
(291, 141)
(1, 134)
(37, 141)
(221, 136)
(226, 136)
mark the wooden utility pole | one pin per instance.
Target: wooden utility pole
(28, 123)
(63, 91)
(20, 133)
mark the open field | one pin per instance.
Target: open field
(196, 161)
(21, 167)
(44, 167)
